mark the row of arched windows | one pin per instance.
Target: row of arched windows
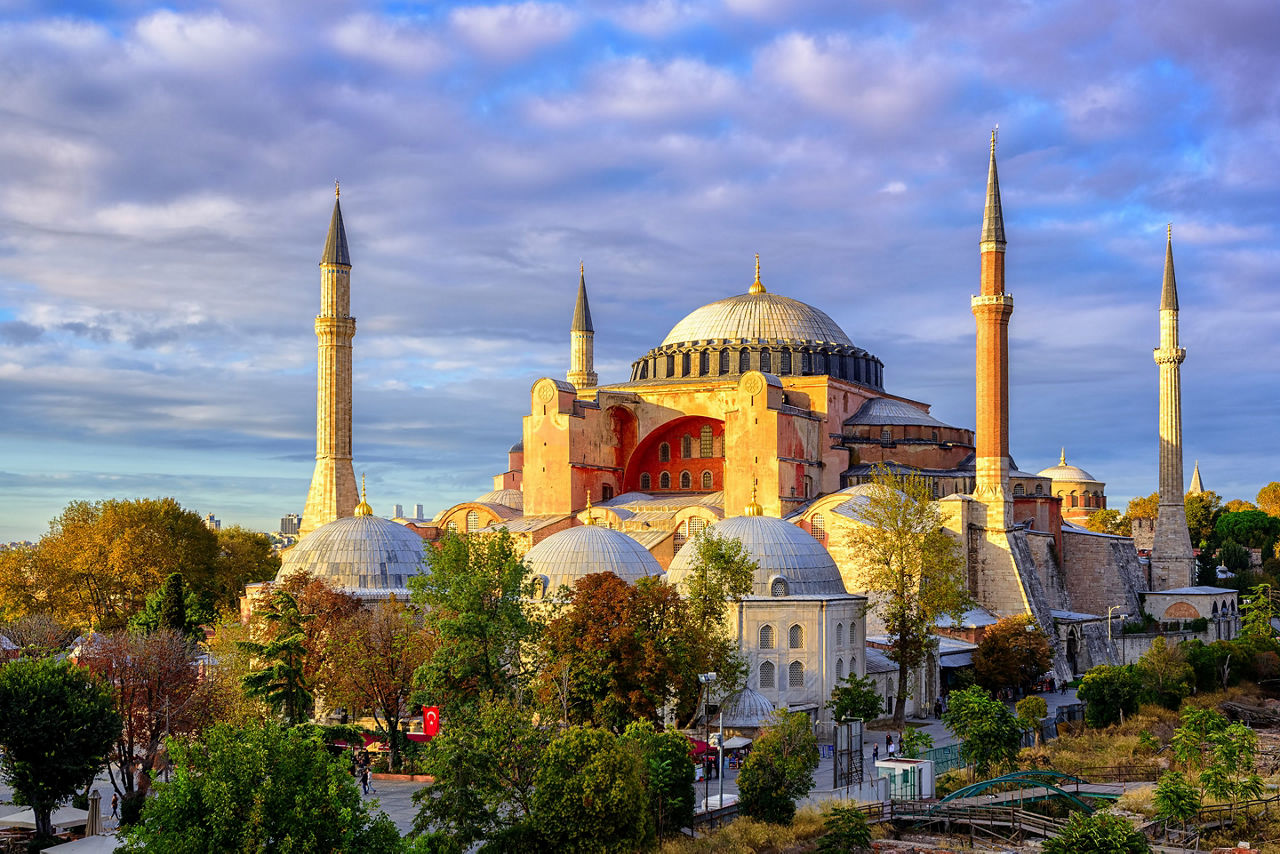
(706, 446)
(859, 368)
(795, 634)
(689, 529)
(686, 480)
(1021, 489)
(795, 674)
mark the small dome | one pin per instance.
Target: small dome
(747, 709)
(517, 448)
(512, 498)
(367, 556)
(568, 555)
(760, 315)
(1064, 472)
(780, 550)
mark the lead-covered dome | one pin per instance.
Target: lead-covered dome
(366, 556)
(568, 555)
(512, 498)
(789, 562)
(763, 315)
(1068, 473)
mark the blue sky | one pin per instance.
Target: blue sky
(166, 179)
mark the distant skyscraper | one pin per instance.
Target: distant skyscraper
(1172, 561)
(417, 511)
(399, 514)
(333, 492)
(290, 524)
(212, 524)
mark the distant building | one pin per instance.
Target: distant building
(290, 524)
(212, 524)
(417, 512)
(399, 512)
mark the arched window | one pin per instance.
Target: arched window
(839, 668)
(839, 634)
(686, 480)
(886, 434)
(766, 674)
(766, 361)
(680, 537)
(819, 362)
(473, 521)
(766, 637)
(664, 453)
(644, 370)
(1019, 489)
(724, 361)
(706, 481)
(684, 365)
(785, 360)
(686, 447)
(1039, 489)
(795, 637)
(779, 587)
(806, 362)
(704, 363)
(696, 526)
(744, 360)
(671, 365)
(934, 435)
(808, 486)
(706, 442)
(452, 526)
(795, 675)
(1075, 500)
(664, 480)
(540, 585)
(818, 527)
(646, 482)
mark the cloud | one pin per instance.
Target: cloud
(660, 17)
(208, 42)
(403, 44)
(515, 30)
(637, 89)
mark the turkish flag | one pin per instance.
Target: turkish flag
(430, 721)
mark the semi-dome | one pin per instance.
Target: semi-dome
(783, 553)
(364, 555)
(568, 555)
(512, 498)
(1068, 473)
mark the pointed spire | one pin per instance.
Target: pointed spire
(1062, 460)
(335, 245)
(1197, 486)
(582, 311)
(1169, 294)
(757, 287)
(993, 215)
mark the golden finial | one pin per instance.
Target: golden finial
(995, 134)
(337, 189)
(1169, 235)
(582, 268)
(754, 509)
(590, 520)
(363, 508)
(1062, 460)
(757, 287)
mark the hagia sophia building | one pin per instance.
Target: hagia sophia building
(759, 418)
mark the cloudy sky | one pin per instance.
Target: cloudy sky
(166, 178)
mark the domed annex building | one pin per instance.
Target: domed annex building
(1081, 492)
(562, 559)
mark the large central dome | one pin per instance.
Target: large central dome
(752, 316)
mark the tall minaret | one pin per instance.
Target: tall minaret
(582, 339)
(333, 485)
(992, 309)
(1172, 561)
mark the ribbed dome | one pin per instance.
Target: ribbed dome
(747, 709)
(512, 498)
(568, 555)
(1064, 472)
(763, 315)
(367, 556)
(779, 549)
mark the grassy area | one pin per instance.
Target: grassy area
(748, 836)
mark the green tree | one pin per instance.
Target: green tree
(1257, 611)
(913, 743)
(913, 565)
(1109, 521)
(472, 600)
(280, 680)
(590, 794)
(1013, 653)
(855, 699)
(845, 830)
(1251, 528)
(721, 573)
(1099, 833)
(669, 771)
(1234, 557)
(56, 725)
(1109, 693)
(988, 732)
(779, 770)
(196, 613)
(261, 788)
(1269, 499)
(1030, 712)
(173, 604)
(1202, 510)
(1165, 673)
(1176, 799)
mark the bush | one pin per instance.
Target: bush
(1110, 693)
(1099, 833)
(779, 770)
(847, 830)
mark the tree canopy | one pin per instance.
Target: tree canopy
(855, 699)
(279, 678)
(1269, 499)
(1099, 833)
(1110, 693)
(1013, 653)
(1251, 528)
(779, 770)
(989, 733)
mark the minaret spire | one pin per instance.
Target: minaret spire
(333, 484)
(582, 338)
(1172, 560)
(993, 215)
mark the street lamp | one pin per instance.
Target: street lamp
(1122, 616)
(707, 680)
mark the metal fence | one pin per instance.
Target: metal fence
(944, 759)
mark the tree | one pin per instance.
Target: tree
(913, 565)
(1176, 799)
(590, 794)
(173, 605)
(196, 613)
(38, 635)
(845, 830)
(471, 598)
(913, 743)
(1030, 712)
(1099, 833)
(1257, 613)
(1109, 693)
(1109, 521)
(1237, 505)
(779, 770)
(1251, 528)
(1202, 510)
(1165, 674)
(244, 556)
(19, 585)
(855, 699)
(1234, 557)
(157, 692)
(988, 732)
(56, 726)
(378, 653)
(260, 788)
(1145, 507)
(281, 680)
(1269, 499)
(1013, 653)
(485, 768)
(721, 573)
(669, 771)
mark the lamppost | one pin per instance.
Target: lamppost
(707, 680)
(1122, 616)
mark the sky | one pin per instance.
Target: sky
(166, 180)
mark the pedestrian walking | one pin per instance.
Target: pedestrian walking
(892, 748)
(888, 740)
(115, 805)
(875, 753)
(364, 778)
(937, 708)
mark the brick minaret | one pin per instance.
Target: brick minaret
(581, 339)
(1172, 561)
(333, 485)
(992, 309)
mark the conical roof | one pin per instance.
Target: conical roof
(582, 310)
(335, 245)
(1169, 292)
(993, 215)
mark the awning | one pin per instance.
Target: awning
(736, 743)
(61, 817)
(88, 845)
(956, 659)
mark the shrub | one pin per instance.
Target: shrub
(1099, 833)
(779, 770)
(847, 830)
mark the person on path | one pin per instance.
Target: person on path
(364, 778)
(892, 748)
(875, 753)
(115, 805)
(937, 708)
(888, 740)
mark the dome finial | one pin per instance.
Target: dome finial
(337, 189)
(1062, 460)
(363, 508)
(590, 519)
(757, 287)
(754, 509)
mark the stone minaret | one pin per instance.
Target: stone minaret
(333, 492)
(992, 309)
(582, 339)
(1172, 561)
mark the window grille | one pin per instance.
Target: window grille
(795, 637)
(766, 637)
(766, 674)
(795, 675)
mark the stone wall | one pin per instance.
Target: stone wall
(1100, 570)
